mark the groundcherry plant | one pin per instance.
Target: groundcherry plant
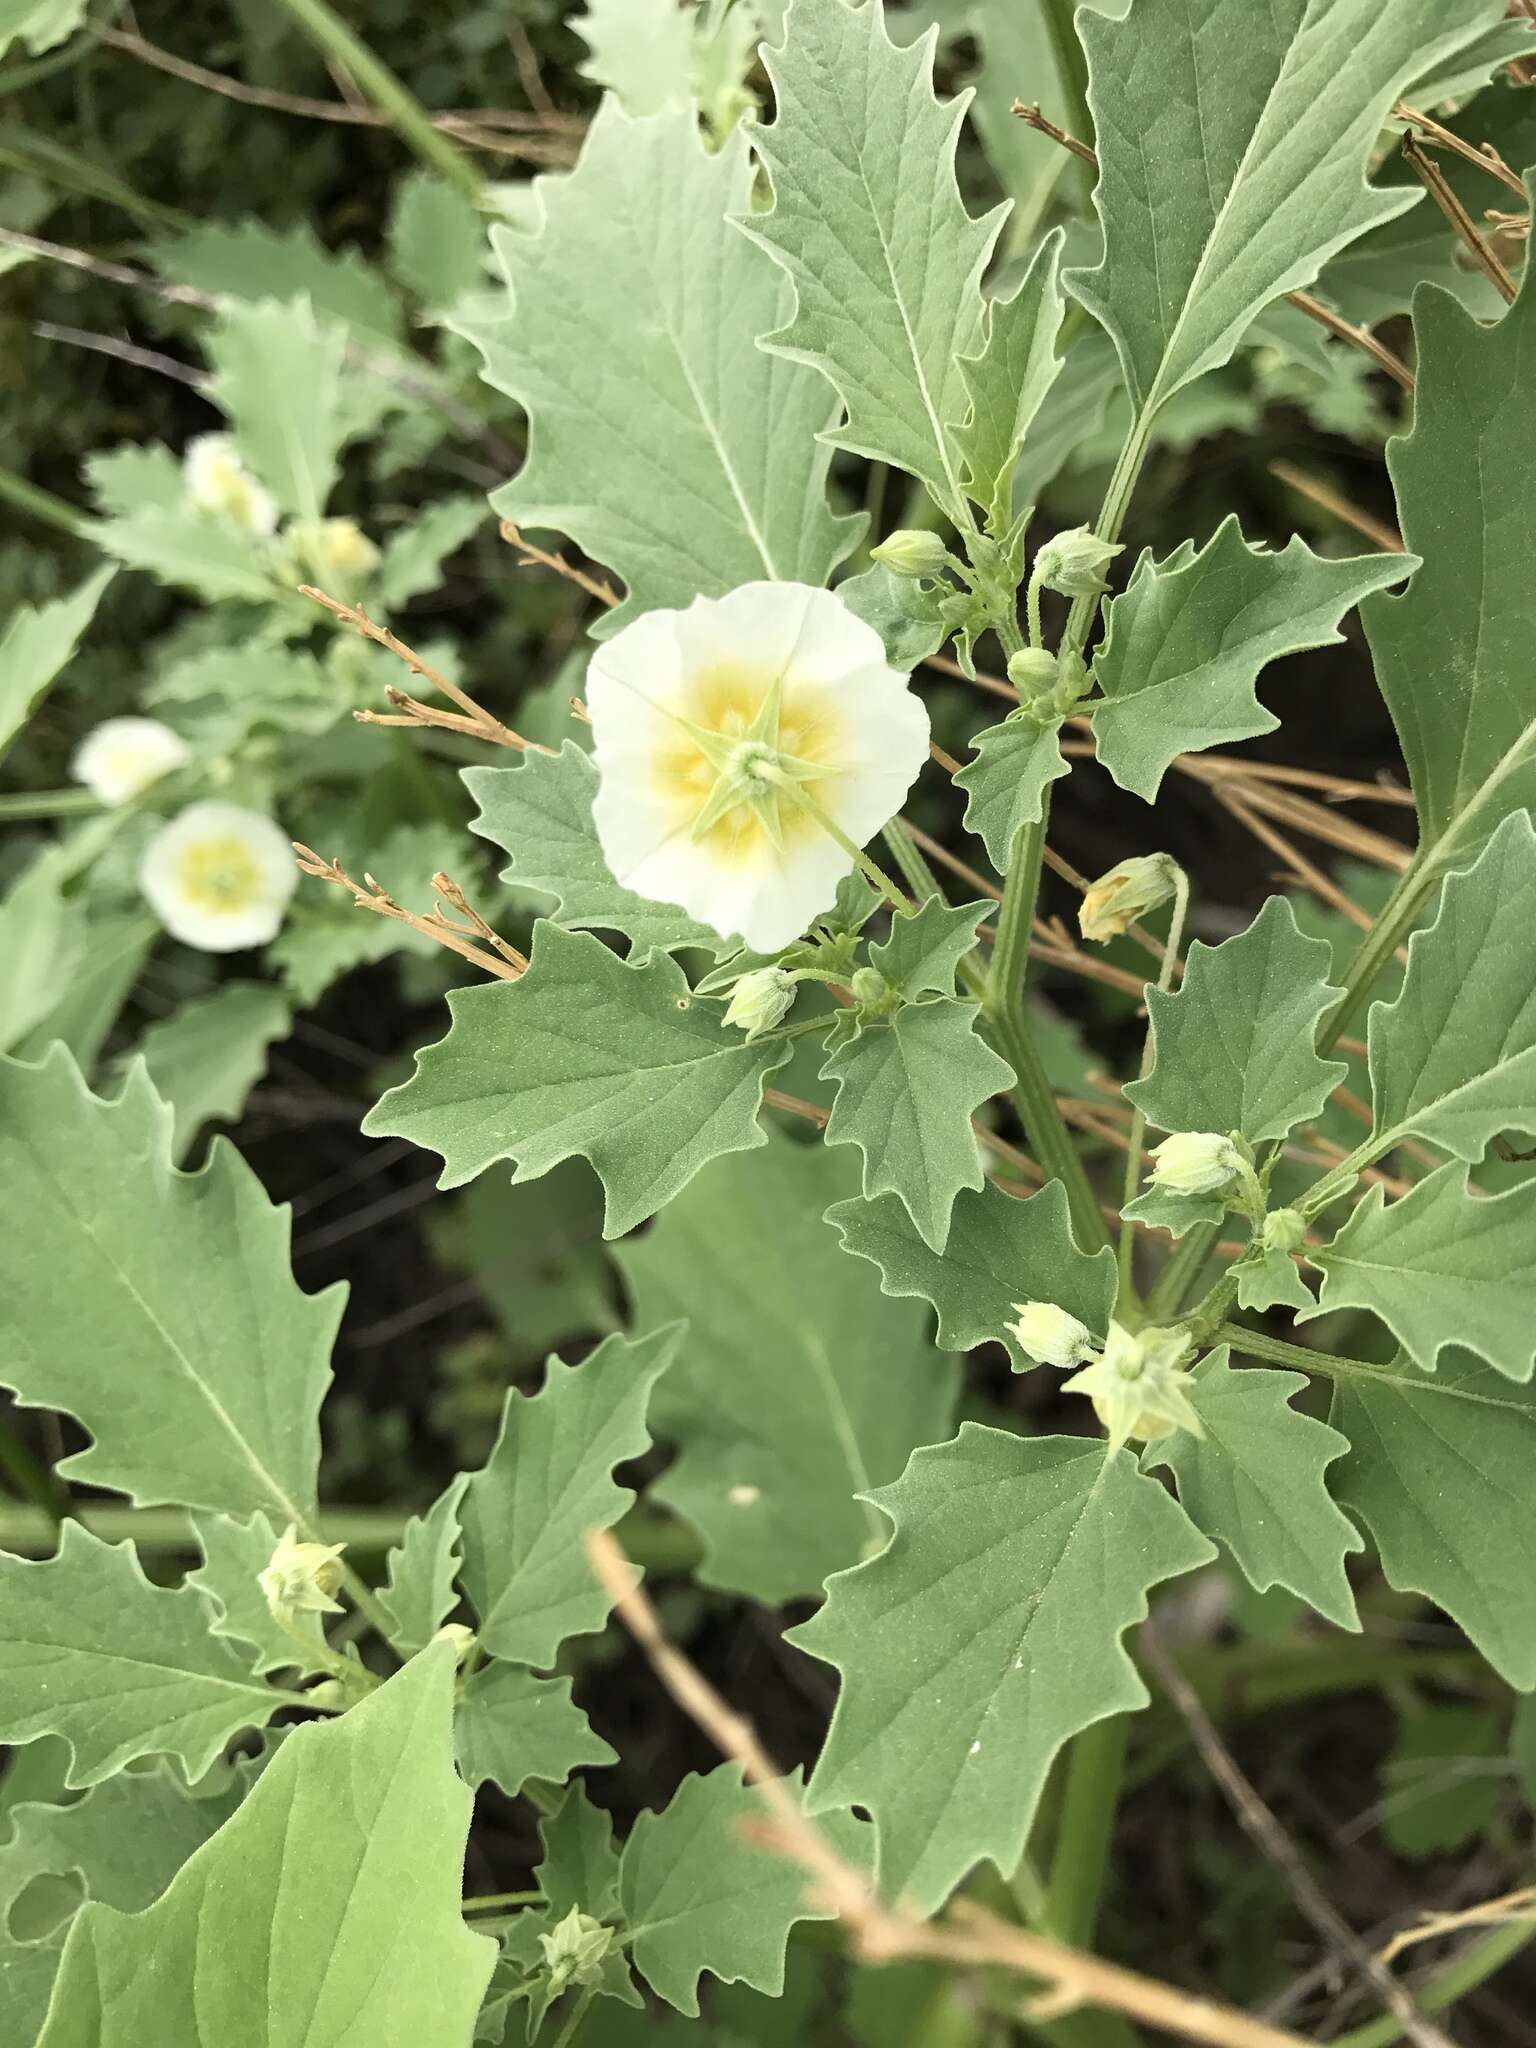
(816, 1072)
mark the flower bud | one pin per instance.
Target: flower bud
(1284, 1230)
(1126, 892)
(1050, 1336)
(1137, 1388)
(1195, 1163)
(912, 551)
(870, 989)
(1072, 681)
(461, 1637)
(301, 1578)
(1032, 671)
(573, 1953)
(760, 1000)
(1071, 562)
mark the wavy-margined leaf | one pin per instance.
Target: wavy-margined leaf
(156, 1306)
(1009, 378)
(585, 1054)
(1002, 1251)
(1232, 143)
(698, 1895)
(511, 1725)
(907, 1089)
(1439, 1472)
(418, 1593)
(36, 644)
(206, 1058)
(1454, 1058)
(798, 1384)
(923, 952)
(194, 550)
(277, 374)
(1006, 782)
(685, 459)
(868, 221)
(235, 1553)
(90, 1650)
(1441, 1267)
(1233, 1042)
(984, 1636)
(1453, 654)
(547, 1481)
(331, 1902)
(1257, 1482)
(1185, 643)
(540, 814)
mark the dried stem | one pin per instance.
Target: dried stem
(1483, 154)
(1343, 509)
(966, 1936)
(1358, 337)
(1434, 182)
(506, 963)
(532, 556)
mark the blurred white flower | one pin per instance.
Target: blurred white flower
(122, 756)
(219, 877)
(333, 547)
(217, 481)
(720, 733)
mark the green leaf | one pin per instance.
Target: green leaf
(1080, 400)
(1233, 1043)
(156, 1306)
(698, 1895)
(248, 261)
(1009, 379)
(1439, 1472)
(277, 375)
(35, 647)
(1273, 1282)
(906, 1092)
(223, 694)
(982, 1639)
(106, 957)
(511, 1726)
(1442, 1779)
(868, 222)
(540, 814)
(90, 1650)
(418, 1595)
(924, 950)
(436, 239)
(1002, 1251)
(536, 1253)
(798, 1385)
(1257, 1483)
(40, 24)
(581, 1865)
(1454, 1058)
(138, 473)
(686, 460)
(1005, 784)
(1017, 60)
(1468, 619)
(585, 1054)
(412, 557)
(1166, 1209)
(547, 1481)
(181, 545)
(234, 1552)
(345, 1863)
(206, 1059)
(42, 936)
(1186, 642)
(898, 610)
(639, 50)
(1232, 145)
(1442, 1266)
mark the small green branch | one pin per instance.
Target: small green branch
(1182, 1273)
(578, 2013)
(1376, 949)
(1095, 1768)
(374, 79)
(495, 1902)
(40, 504)
(1474, 1966)
(1126, 1250)
(48, 803)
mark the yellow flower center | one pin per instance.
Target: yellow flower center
(219, 874)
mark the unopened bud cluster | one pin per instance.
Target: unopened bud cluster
(301, 1578)
(1135, 1378)
(1073, 562)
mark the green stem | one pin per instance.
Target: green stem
(40, 504)
(32, 1478)
(17, 77)
(491, 1902)
(915, 871)
(1032, 611)
(49, 803)
(1376, 949)
(1117, 496)
(578, 2013)
(1179, 1277)
(1126, 1250)
(870, 869)
(374, 79)
(1255, 1344)
(1004, 1017)
(1095, 1768)
(1474, 1966)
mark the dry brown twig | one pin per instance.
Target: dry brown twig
(471, 718)
(1483, 154)
(1517, 1905)
(1435, 183)
(966, 1936)
(505, 962)
(1357, 337)
(1327, 499)
(534, 557)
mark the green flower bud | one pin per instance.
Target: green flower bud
(1072, 681)
(1126, 892)
(1051, 1336)
(301, 1578)
(573, 1953)
(1195, 1163)
(1033, 672)
(1284, 1230)
(759, 1001)
(912, 551)
(1071, 562)
(870, 988)
(1137, 1388)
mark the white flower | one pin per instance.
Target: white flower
(218, 481)
(1137, 1388)
(1130, 888)
(122, 756)
(720, 731)
(219, 877)
(759, 1001)
(1051, 1336)
(301, 1578)
(333, 547)
(1195, 1163)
